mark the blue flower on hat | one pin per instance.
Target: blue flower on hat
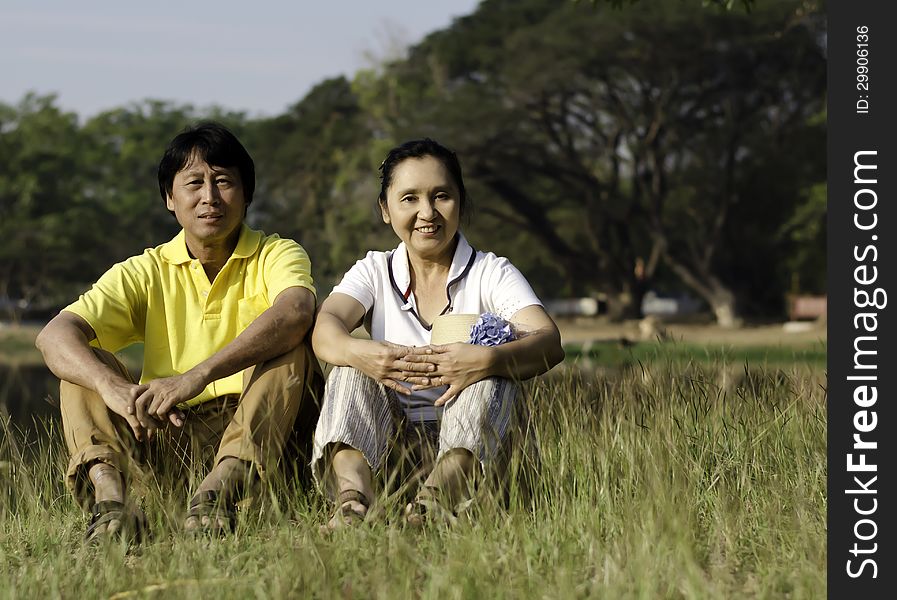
(491, 330)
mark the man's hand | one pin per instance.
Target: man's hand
(455, 365)
(119, 396)
(385, 362)
(160, 398)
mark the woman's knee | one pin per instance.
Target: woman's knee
(348, 389)
(350, 376)
(487, 391)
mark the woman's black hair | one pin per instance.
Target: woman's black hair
(419, 149)
(213, 143)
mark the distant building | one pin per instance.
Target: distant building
(572, 307)
(669, 305)
(804, 308)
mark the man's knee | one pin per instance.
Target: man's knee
(296, 371)
(111, 360)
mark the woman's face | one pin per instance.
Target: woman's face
(423, 207)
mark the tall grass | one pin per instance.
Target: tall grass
(664, 481)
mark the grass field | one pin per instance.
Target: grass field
(615, 354)
(669, 478)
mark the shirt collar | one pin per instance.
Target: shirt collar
(175, 251)
(401, 271)
(248, 242)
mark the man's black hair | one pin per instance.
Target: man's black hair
(213, 143)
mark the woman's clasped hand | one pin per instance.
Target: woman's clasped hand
(391, 364)
(455, 365)
(419, 368)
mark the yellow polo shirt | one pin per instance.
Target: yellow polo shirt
(163, 298)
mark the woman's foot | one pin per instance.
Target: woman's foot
(352, 475)
(213, 507)
(427, 509)
(352, 508)
(451, 483)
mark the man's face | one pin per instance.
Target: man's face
(207, 201)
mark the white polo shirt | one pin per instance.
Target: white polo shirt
(478, 282)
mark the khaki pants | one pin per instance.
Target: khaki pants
(277, 410)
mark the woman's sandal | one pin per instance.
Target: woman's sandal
(132, 528)
(426, 509)
(222, 514)
(344, 513)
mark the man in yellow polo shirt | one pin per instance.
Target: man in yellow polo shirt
(223, 312)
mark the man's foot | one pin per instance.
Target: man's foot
(210, 514)
(213, 507)
(110, 519)
(351, 510)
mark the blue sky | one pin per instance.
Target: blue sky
(259, 56)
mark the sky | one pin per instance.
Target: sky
(259, 57)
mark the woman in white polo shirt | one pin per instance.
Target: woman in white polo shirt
(397, 388)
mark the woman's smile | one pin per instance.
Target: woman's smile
(423, 207)
(428, 229)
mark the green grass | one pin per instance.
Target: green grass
(17, 348)
(616, 354)
(666, 480)
(17, 345)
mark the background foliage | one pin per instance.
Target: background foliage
(610, 148)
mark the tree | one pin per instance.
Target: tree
(609, 147)
(316, 180)
(40, 197)
(74, 199)
(617, 137)
(122, 151)
(723, 4)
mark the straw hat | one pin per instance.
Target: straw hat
(452, 328)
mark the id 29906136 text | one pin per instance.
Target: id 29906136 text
(862, 70)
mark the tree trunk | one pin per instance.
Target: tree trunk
(624, 305)
(722, 302)
(720, 298)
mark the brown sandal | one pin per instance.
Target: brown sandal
(426, 509)
(133, 528)
(221, 513)
(345, 514)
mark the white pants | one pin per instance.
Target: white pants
(367, 416)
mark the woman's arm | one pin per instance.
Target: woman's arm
(332, 341)
(536, 349)
(331, 337)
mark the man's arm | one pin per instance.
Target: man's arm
(274, 332)
(65, 345)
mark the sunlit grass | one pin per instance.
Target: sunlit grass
(616, 353)
(666, 480)
(17, 344)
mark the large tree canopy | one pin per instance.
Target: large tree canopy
(609, 147)
(621, 138)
